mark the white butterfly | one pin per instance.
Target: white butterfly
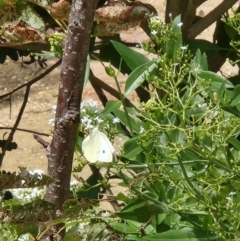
(97, 147)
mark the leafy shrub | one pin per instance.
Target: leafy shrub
(182, 156)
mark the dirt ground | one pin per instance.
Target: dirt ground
(43, 94)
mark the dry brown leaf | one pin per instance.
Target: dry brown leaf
(61, 10)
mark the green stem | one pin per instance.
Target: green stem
(199, 196)
(122, 100)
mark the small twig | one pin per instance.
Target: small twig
(25, 130)
(209, 19)
(25, 100)
(10, 136)
(40, 140)
(34, 80)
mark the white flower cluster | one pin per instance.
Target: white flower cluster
(90, 115)
(27, 194)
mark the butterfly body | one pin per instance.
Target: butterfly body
(97, 147)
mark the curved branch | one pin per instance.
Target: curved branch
(34, 80)
(99, 84)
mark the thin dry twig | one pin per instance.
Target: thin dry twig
(25, 100)
(25, 130)
(34, 80)
(40, 140)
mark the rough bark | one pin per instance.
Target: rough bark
(60, 150)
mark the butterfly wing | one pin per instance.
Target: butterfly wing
(106, 150)
(91, 147)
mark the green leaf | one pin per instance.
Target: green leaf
(235, 142)
(131, 148)
(175, 25)
(173, 44)
(138, 75)
(135, 122)
(232, 109)
(111, 106)
(94, 189)
(231, 32)
(204, 46)
(123, 228)
(72, 234)
(132, 57)
(221, 93)
(235, 95)
(135, 210)
(109, 54)
(122, 197)
(184, 234)
(200, 62)
(214, 79)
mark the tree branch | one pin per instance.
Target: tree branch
(60, 150)
(40, 140)
(209, 19)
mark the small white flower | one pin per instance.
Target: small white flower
(92, 103)
(141, 130)
(183, 47)
(24, 237)
(36, 192)
(85, 119)
(51, 122)
(170, 15)
(230, 196)
(88, 125)
(98, 119)
(174, 67)
(38, 171)
(116, 120)
(54, 107)
(73, 183)
(82, 105)
(154, 32)
(105, 214)
(179, 24)
(203, 105)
